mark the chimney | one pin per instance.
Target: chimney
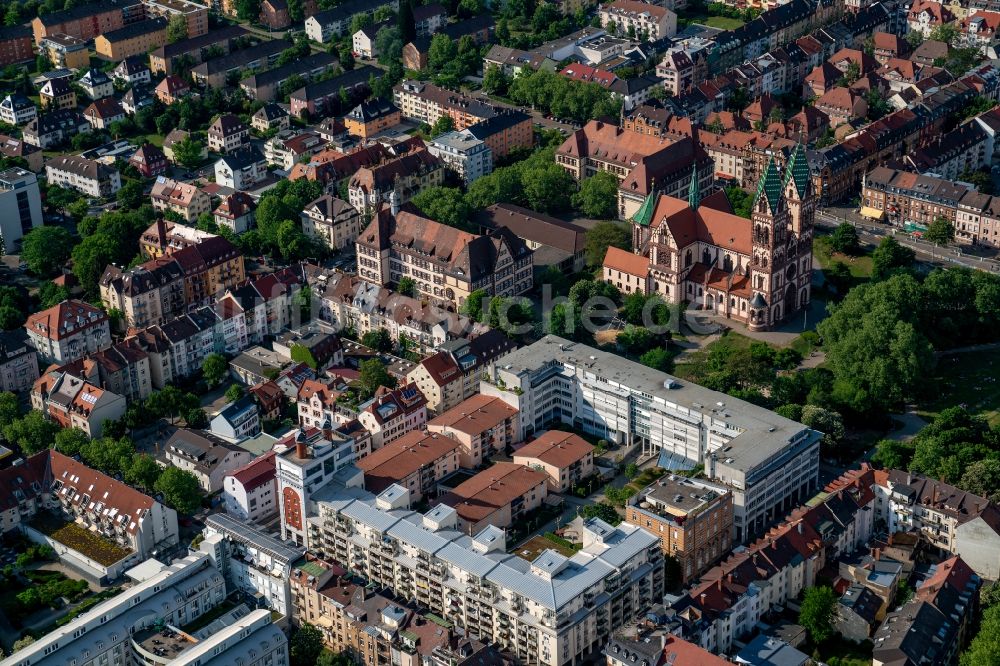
(161, 231)
(800, 527)
(394, 202)
(301, 450)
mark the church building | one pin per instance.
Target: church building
(756, 271)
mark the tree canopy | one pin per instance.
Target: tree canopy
(816, 614)
(604, 235)
(180, 490)
(598, 196)
(46, 250)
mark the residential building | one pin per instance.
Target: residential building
(771, 650)
(123, 368)
(132, 71)
(483, 425)
(401, 177)
(250, 493)
(323, 97)
(553, 242)
(461, 577)
(428, 19)
(316, 402)
(228, 68)
(56, 94)
(289, 147)
(11, 148)
(658, 648)
(841, 105)
(18, 362)
(15, 45)
(103, 112)
(175, 596)
(96, 84)
(952, 154)
(904, 198)
(73, 402)
(506, 131)
(363, 40)
(171, 89)
(393, 412)
(149, 161)
(241, 169)
(195, 15)
(446, 264)
(926, 15)
(306, 461)
(854, 616)
(65, 51)
(452, 375)
(236, 212)
(137, 98)
(274, 14)
(332, 220)
(499, 496)
(163, 59)
(137, 524)
(174, 137)
(371, 117)
(330, 24)
(68, 331)
(53, 128)
(252, 561)
(227, 134)
(16, 109)
(84, 22)
(566, 459)
(463, 153)
(323, 347)
(886, 46)
(208, 457)
(163, 237)
(745, 447)
(20, 205)
(647, 22)
(270, 398)
(263, 86)
(415, 461)
(183, 199)
(270, 117)
(479, 28)
(135, 39)
(237, 421)
(692, 518)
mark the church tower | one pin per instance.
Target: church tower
(770, 222)
(802, 212)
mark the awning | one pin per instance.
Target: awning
(872, 213)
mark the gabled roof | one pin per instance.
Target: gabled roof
(65, 319)
(556, 448)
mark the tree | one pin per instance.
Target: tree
(984, 650)
(195, 417)
(946, 32)
(71, 441)
(378, 339)
(407, 287)
(658, 359)
(816, 614)
(214, 369)
(248, 10)
(443, 204)
(839, 276)
(890, 256)
(442, 125)
(827, 421)
(302, 354)
(740, 200)
(31, 433)
(22, 643)
(177, 28)
(598, 196)
(130, 196)
(305, 646)
(143, 473)
(188, 152)
(634, 339)
(473, 306)
(10, 409)
(603, 511)
(495, 82)
(892, 454)
(443, 50)
(347, 63)
(110, 455)
(982, 478)
(180, 490)
(940, 232)
(604, 235)
(50, 294)
(372, 375)
(46, 249)
(547, 187)
(389, 46)
(844, 239)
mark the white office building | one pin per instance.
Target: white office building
(20, 205)
(770, 463)
(464, 154)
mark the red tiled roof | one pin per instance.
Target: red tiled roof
(257, 472)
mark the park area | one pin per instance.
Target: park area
(83, 541)
(969, 380)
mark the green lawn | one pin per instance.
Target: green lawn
(720, 22)
(860, 266)
(692, 368)
(155, 139)
(968, 379)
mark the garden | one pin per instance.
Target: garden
(81, 540)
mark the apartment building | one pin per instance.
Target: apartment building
(237, 421)
(446, 264)
(321, 98)
(306, 461)
(252, 561)
(332, 220)
(393, 412)
(553, 610)
(163, 59)
(183, 199)
(88, 177)
(68, 331)
(250, 493)
(289, 147)
(271, 117)
(401, 177)
(85, 22)
(103, 112)
(123, 368)
(330, 24)
(566, 459)
(227, 133)
(222, 70)
(416, 461)
(263, 86)
(132, 71)
(15, 45)
(20, 205)
(642, 20)
(73, 402)
(149, 161)
(57, 95)
(195, 15)
(498, 496)
(692, 518)
(482, 425)
(18, 362)
(237, 212)
(904, 197)
(371, 117)
(554, 242)
(463, 153)
(65, 51)
(241, 169)
(164, 237)
(508, 130)
(96, 84)
(452, 375)
(135, 39)
(16, 109)
(10, 148)
(949, 155)
(208, 457)
(49, 480)
(770, 463)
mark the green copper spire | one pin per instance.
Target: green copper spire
(769, 187)
(694, 192)
(798, 170)
(644, 216)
